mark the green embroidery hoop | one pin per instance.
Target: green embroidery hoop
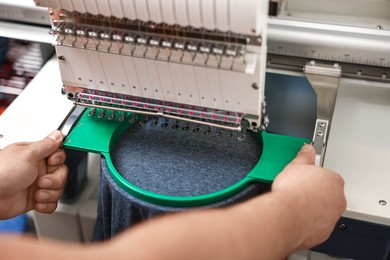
(98, 135)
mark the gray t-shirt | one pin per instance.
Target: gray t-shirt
(172, 162)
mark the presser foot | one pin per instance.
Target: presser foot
(195, 128)
(156, 121)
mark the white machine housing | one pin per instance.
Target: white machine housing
(199, 61)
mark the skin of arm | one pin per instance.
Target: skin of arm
(301, 211)
(32, 176)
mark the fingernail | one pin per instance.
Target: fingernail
(46, 183)
(307, 148)
(55, 135)
(41, 206)
(43, 196)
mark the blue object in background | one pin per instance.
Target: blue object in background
(291, 105)
(3, 49)
(14, 225)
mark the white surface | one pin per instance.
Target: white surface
(79, 65)
(141, 10)
(116, 76)
(99, 78)
(104, 8)
(55, 4)
(192, 88)
(143, 77)
(131, 74)
(25, 32)
(227, 90)
(67, 5)
(221, 15)
(21, 3)
(194, 13)
(178, 81)
(128, 9)
(81, 7)
(116, 8)
(359, 148)
(90, 6)
(368, 13)
(250, 10)
(23, 10)
(208, 18)
(337, 43)
(66, 73)
(38, 110)
(181, 13)
(203, 86)
(155, 10)
(215, 90)
(168, 13)
(155, 87)
(166, 80)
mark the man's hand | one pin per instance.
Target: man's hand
(314, 192)
(300, 212)
(32, 176)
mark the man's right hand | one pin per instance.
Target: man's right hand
(316, 193)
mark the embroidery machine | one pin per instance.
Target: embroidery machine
(341, 48)
(196, 63)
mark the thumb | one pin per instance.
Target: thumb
(48, 145)
(306, 155)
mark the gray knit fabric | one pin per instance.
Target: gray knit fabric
(172, 162)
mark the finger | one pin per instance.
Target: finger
(56, 158)
(48, 196)
(46, 146)
(46, 207)
(55, 180)
(52, 168)
(305, 156)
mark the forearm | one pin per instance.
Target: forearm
(25, 247)
(262, 228)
